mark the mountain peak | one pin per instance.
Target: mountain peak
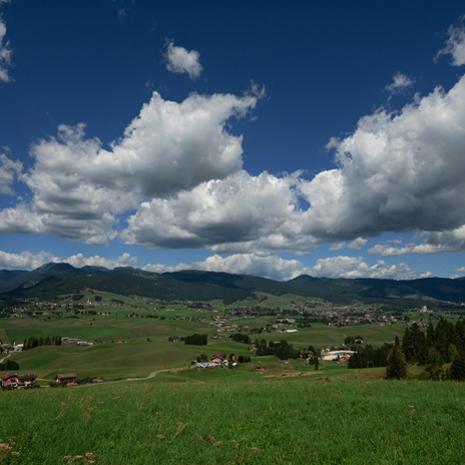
(56, 267)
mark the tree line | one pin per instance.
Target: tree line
(440, 349)
(32, 342)
(370, 357)
(282, 349)
(196, 339)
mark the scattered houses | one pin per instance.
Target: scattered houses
(218, 360)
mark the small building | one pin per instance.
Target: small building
(335, 355)
(27, 380)
(218, 359)
(202, 365)
(15, 381)
(66, 378)
(10, 381)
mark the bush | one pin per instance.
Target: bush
(239, 337)
(196, 339)
(9, 365)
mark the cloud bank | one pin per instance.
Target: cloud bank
(257, 264)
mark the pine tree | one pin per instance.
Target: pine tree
(457, 369)
(396, 364)
(453, 352)
(434, 364)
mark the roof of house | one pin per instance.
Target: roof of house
(66, 375)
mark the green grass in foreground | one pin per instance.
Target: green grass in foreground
(310, 421)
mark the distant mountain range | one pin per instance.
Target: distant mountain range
(56, 279)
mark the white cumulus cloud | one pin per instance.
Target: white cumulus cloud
(240, 209)
(9, 171)
(80, 186)
(396, 172)
(355, 267)
(29, 260)
(265, 265)
(356, 244)
(183, 61)
(455, 45)
(399, 83)
(5, 50)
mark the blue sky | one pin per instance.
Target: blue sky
(228, 167)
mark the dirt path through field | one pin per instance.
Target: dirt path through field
(151, 375)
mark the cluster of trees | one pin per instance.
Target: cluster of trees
(369, 356)
(440, 345)
(446, 337)
(32, 342)
(196, 339)
(240, 337)
(283, 350)
(9, 365)
(440, 349)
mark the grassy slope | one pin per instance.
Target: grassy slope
(254, 421)
(135, 358)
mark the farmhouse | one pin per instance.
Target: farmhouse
(10, 381)
(75, 341)
(335, 355)
(66, 379)
(15, 381)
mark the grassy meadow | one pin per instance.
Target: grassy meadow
(238, 417)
